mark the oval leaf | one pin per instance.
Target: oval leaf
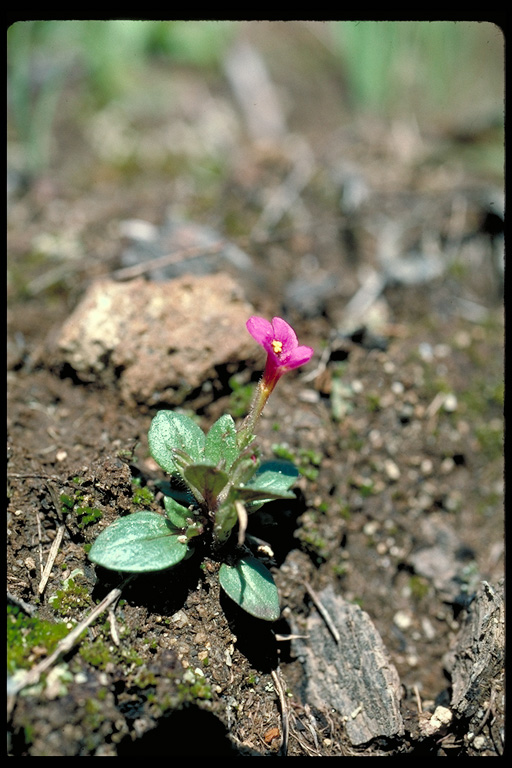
(139, 543)
(171, 432)
(209, 481)
(221, 446)
(250, 584)
(275, 476)
(176, 513)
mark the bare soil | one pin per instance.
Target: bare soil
(396, 425)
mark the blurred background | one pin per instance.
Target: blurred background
(334, 144)
(444, 75)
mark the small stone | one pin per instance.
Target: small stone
(402, 620)
(391, 469)
(450, 403)
(479, 742)
(438, 723)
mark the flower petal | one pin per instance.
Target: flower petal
(299, 356)
(261, 330)
(284, 332)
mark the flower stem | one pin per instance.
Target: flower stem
(259, 400)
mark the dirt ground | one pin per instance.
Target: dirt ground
(383, 245)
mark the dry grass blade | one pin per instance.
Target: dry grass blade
(323, 613)
(284, 712)
(51, 559)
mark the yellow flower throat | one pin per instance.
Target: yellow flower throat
(277, 346)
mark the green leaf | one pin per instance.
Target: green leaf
(208, 480)
(139, 543)
(170, 432)
(275, 476)
(221, 443)
(272, 481)
(226, 518)
(176, 513)
(252, 495)
(250, 584)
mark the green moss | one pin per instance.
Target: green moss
(313, 540)
(490, 438)
(72, 597)
(145, 679)
(86, 514)
(373, 402)
(283, 451)
(193, 686)
(339, 570)
(24, 633)
(306, 460)
(97, 653)
(141, 494)
(419, 587)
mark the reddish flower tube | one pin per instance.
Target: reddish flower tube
(284, 353)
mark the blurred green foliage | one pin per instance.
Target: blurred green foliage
(104, 59)
(404, 68)
(419, 65)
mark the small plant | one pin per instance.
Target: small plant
(217, 482)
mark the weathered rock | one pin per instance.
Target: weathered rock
(355, 676)
(156, 341)
(476, 663)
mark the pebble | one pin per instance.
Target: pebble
(391, 469)
(450, 403)
(479, 742)
(402, 620)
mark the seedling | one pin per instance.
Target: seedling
(217, 482)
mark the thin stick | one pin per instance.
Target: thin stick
(51, 559)
(33, 675)
(40, 537)
(127, 273)
(284, 711)
(323, 613)
(418, 698)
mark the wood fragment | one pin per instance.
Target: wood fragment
(51, 559)
(476, 663)
(354, 677)
(113, 625)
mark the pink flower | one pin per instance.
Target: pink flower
(279, 340)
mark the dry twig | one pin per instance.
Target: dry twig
(33, 675)
(51, 559)
(284, 712)
(323, 613)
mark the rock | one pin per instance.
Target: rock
(476, 663)
(156, 341)
(445, 561)
(355, 677)
(438, 723)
